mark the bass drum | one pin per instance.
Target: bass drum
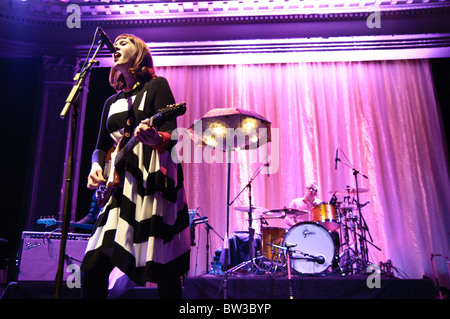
(314, 251)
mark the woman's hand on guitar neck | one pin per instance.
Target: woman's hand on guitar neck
(147, 134)
(95, 178)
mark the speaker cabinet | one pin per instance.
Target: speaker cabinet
(39, 254)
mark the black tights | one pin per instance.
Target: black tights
(95, 282)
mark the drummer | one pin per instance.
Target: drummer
(305, 203)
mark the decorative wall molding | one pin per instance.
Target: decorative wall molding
(360, 48)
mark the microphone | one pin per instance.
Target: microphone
(333, 199)
(361, 206)
(200, 220)
(319, 259)
(106, 40)
(336, 159)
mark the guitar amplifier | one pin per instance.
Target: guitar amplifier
(39, 254)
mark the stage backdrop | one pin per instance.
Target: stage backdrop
(383, 117)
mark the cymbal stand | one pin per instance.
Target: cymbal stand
(363, 247)
(344, 234)
(361, 253)
(251, 231)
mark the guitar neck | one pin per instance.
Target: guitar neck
(51, 222)
(125, 150)
(170, 110)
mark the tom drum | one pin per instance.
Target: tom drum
(271, 235)
(326, 215)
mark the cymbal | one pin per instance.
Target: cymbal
(247, 208)
(287, 211)
(349, 190)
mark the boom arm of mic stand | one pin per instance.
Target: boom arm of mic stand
(205, 221)
(257, 172)
(80, 77)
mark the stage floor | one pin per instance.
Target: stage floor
(307, 287)
(249, 286)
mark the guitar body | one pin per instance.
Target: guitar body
(116, 156)
(112, 177)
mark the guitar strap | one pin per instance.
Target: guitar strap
(132, 111)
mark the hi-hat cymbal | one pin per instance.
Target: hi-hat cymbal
(247, 208)
(349, 190)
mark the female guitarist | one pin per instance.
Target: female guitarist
(143, 227)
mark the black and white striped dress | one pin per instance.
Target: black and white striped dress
(144, 227)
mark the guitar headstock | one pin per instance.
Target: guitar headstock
(172, 110)
(47, 221)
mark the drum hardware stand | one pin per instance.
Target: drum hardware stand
(345, 228)
(274, 261)
(245, 263)
(251, 231)
(362, 254)
(355, 258)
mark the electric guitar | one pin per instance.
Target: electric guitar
(51, 221)
(116, 156)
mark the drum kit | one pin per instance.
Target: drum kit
(332, 238)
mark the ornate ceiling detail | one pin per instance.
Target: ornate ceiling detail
(142, 12)
(189, 28)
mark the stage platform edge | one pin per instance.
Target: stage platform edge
(307, 287)
(255, 287)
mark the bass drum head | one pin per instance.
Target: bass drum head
(311, 239)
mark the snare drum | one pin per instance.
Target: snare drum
(326, 215)
(274, 236)
(314, 249)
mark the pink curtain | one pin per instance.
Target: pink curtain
(381, 115)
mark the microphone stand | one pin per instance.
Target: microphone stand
(288, 260)
(72, 103)
(204, 220)
(287, 247)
